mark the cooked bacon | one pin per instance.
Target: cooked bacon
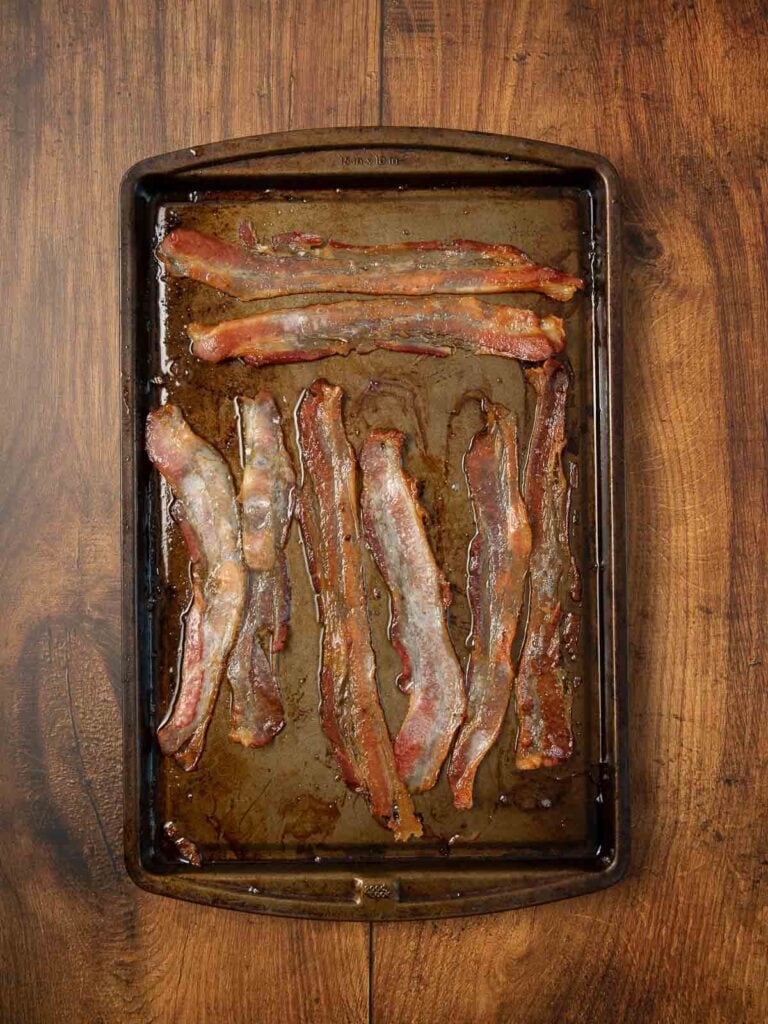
(422, 326)
(497, 567)
(206, 512)
(328, 514)
(403, 255)
(543, 693)
(301, 264)
(266, 498)
(394, 524)
(268, 486)
(257, 713)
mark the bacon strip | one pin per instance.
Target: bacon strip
(543, 698)
(394, 524)
(268, 486)
(206, 512)
(328, 514)
(422, 326)
(497, 567)
(266, 498)
(302, 264)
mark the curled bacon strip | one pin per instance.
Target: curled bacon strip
(422, 326)
(395, 531)
(543, 698)
(352, 716)
(266, 498)
(497, 567)
(298, 263)
(206, 512)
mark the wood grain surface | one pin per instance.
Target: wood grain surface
(674, 94)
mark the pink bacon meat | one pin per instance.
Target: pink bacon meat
(421, 326)
(352, 716)
(205, 509)
(544, 735)
(266, 498)
(395, 530)
(303, 264)
(497, 567)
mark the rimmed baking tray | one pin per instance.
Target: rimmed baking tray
(274, 830)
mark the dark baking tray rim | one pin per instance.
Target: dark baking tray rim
(349, 891)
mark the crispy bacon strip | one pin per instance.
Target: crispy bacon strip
(301, 264)
(266, 498)
(543, 698)
(394, 524)
(328, 514)
(206, 512)
(422, 326)
(497, 567)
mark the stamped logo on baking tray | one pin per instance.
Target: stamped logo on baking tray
(370, 160)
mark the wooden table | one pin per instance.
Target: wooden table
(674, 94)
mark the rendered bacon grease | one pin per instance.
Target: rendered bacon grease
(395, 530)
(205, 509)
(497, 568)
(302, 264)
(422, 326)
(328, 512)
(266, 499)
(543, 694)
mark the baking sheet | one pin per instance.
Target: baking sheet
(282, 809)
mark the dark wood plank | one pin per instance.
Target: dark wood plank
(673, 94)
(86, 89)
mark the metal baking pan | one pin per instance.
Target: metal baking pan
(274, 830)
